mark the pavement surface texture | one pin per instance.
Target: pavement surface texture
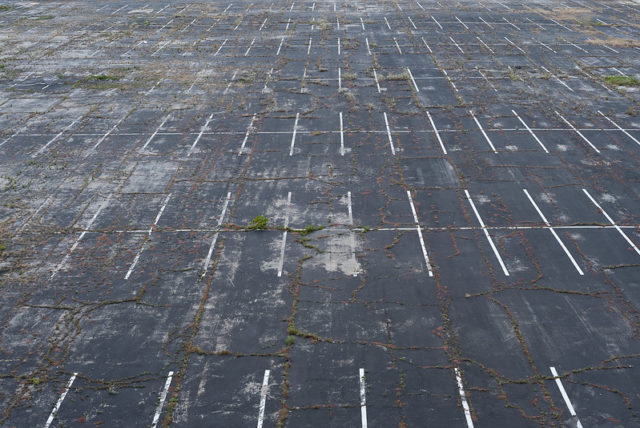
(320, 214)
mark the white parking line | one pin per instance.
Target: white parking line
(362, 24)
(366, 39)
(624, 235)
(463, 24)
(54, 412)
(309, 48)
(509, 22)
(618, 126)
(162, 398)
(578, 132)
(488, 25)
(119, 9)
(35, 213)
(387, 22)
(565, 397)
(557, 23)
(426, 44)
(263, 397)
(341, 137)
(207, 259)
(556, 78)
(218, 51)
(553, 232)
(156, 131)
(193, 146)
(433, 125)
(161, 47)
(434, 20)
(530, 131)
(375, 76)
(386, 122)
(249, 48)
(486, 233)
(43, 148)
(62, 264)
(293, 137)
(339, 79)
(107, 134)
(339, 46)
(162, 9)
(456, 44)
(539, 42)
(144, 243)
(413, 80)
(246, 135)
(397, 46)
(412, 24)
(483, 133)
(280, 46)
(463, 399)
(419, 230)
(363, 399)
(515, 46)
(284, 235)
(487, 80)
(288, 23)
(262, 26)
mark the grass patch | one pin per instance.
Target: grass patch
(4, 8)
(103, 77)
(622, 80)
(258, 223)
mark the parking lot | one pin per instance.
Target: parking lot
(451, 193)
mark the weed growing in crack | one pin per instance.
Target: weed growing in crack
(258, 223)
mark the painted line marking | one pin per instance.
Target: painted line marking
(553, 232)
(284, 235)
(163, 397)
(152, 88)
(375, 76)
(419, 230)
(578, 132)
(618, 126)
(624, 235)
(246, 135)
(487, 80)
(530, 131)
(362, 24)
(556, 78)
(539, 42)
(207, 259)
(263, 22)
(43, 148)
(433, 125)
(341, 137)
(387, 22)
(412, 24)
(309, 48)
(426, 44)
(193, 146)
(46, 201)
(366, 39)
(446, 75)
(483, 133)
(413, 80)
(161, 47)
(489, 25)
(62, 264)
(288, 23)
(293, 137)
(338, 46)
(363, 399)
(339, 79)
(515, 46)
(509, 22)
(144, 244)
(156, 131)
(434, 20)
(397, 46)
(565, 397)
(486, 233)
(239, 23)
(250, 46)
(161, 10)
(218, 51)
(465, 25)
(386, 122)
(419, 5)
(119, 9)
(263, 397)
(463, 398)
(280, 46)
(56, 408)
(557, 23)
(456, 44)
(351, 234)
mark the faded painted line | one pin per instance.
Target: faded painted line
(433, 125)
(553, 232)
(486, 233)
(293, 137)
(144, 244)
(413, 80)
(613, 223)
(579, 133)
(163, 397)
(284, 235)
(565, 397)
(54, 412)
(75, 244)
(386, 122)
(419, 230)
(341, 137)
(246, 135)
(156, 131)
(193, 146)
(104, 137)
(43, 148)
(483, 133)
(207, 260)
(263, 396)
(463, 399)
(530, 131)
(618, 126)
(363, 399)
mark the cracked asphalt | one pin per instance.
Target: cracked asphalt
(320, 214)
